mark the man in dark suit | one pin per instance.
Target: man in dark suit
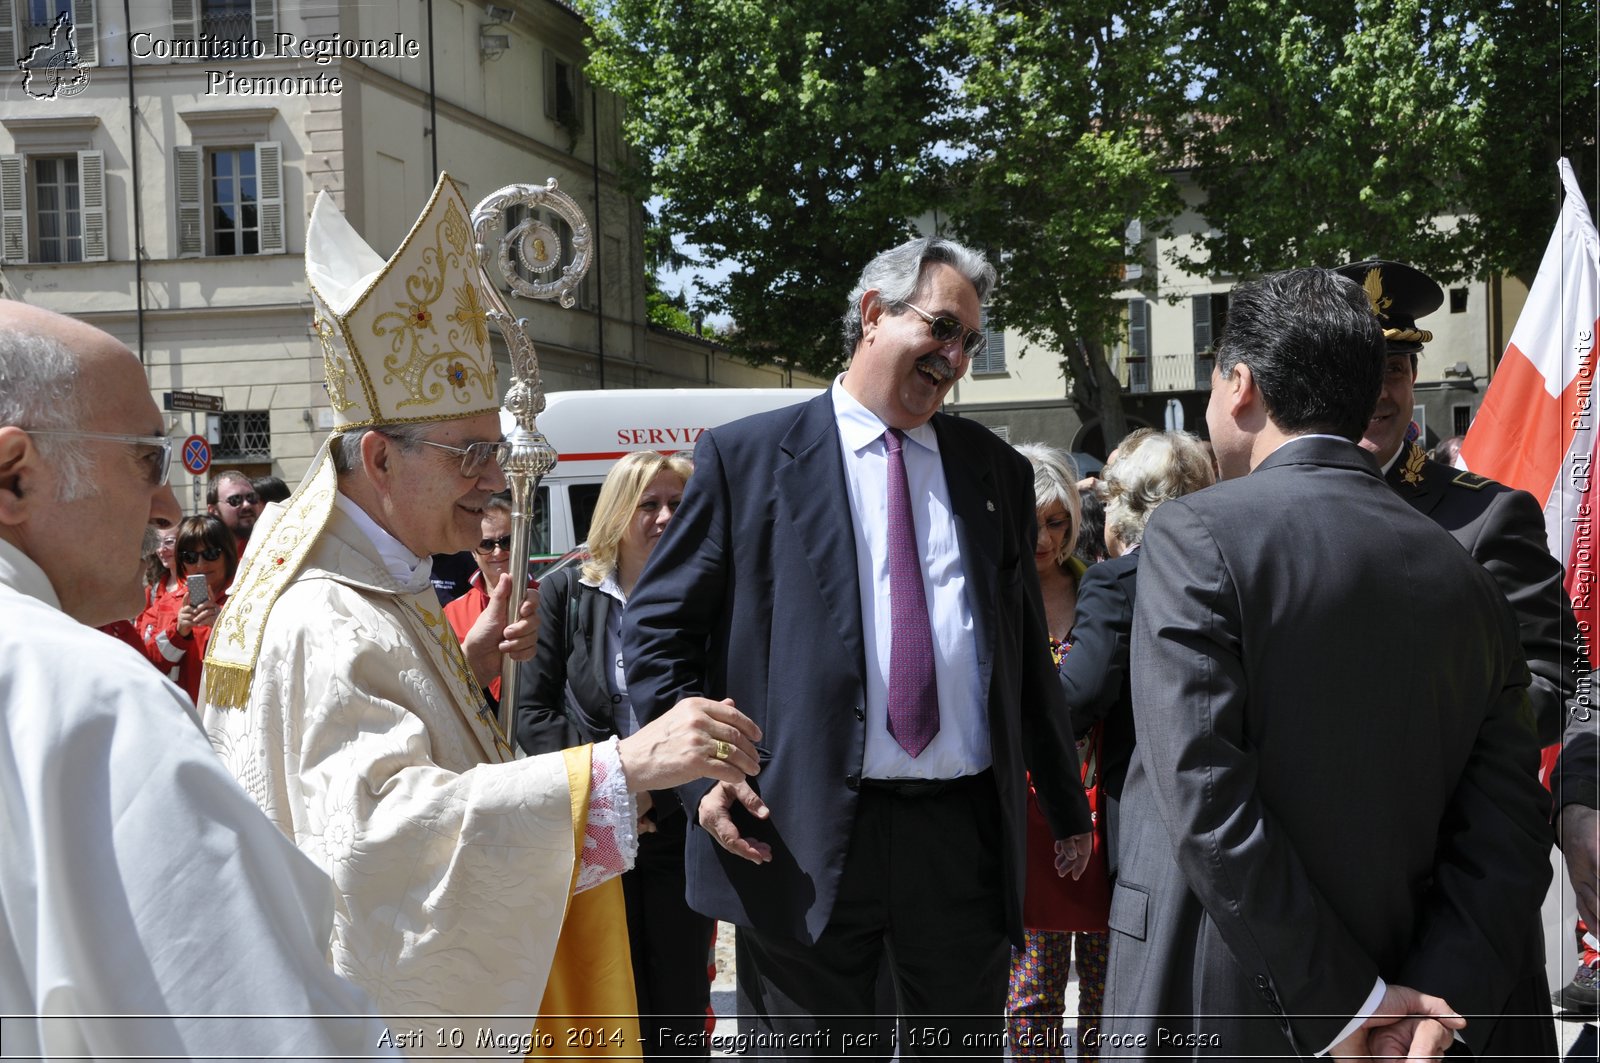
(1575, 783)
(857, 575)
(1320, 819)
(1501, 528)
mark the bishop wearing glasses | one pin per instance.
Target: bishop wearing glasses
(338, 695)
(857, 574)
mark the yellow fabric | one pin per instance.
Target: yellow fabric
(589, 1009)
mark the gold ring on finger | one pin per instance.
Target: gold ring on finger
(721, 749)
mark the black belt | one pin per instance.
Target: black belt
(924, 787)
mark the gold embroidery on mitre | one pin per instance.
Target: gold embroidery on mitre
(334, 366)
(470, 313)
(420, 361)
(1373, 286)
(1411, 472)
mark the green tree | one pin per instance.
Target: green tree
(1329, 131)
(791, 138)
(1059, 104)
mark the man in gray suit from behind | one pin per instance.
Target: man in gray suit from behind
(1327, 825)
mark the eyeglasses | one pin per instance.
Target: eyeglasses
(474, 458)
(241, 500)
(945, 328)
(210, 553)
(489, 546)
(160, 457)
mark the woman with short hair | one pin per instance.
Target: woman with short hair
(574, 691)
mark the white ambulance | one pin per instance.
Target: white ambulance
(591, 430)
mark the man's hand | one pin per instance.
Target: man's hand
(695, 739)
(1578, 834)
(490, 639)
(1407, 1025)
(1072, 855)
(715, 818)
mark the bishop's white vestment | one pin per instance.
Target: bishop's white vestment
(364, 736)
(137, 878)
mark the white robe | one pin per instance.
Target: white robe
(452, 863)
(137, 879)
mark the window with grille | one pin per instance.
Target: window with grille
(244, 435)
(29, 24)
(218, 26)
(1460, 418)
(992, 359)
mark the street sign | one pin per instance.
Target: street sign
(192, 400)
(196, 455)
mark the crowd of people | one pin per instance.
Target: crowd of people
(1259, 757)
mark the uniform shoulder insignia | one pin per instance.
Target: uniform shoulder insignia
(1471, 481)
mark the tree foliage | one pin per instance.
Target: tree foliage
(791, 138)
(1329, 131)
(1058, 105)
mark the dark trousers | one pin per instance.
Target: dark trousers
(921, 893)
(671, 944)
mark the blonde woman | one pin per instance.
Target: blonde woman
(574, 692)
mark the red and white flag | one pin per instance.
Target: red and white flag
(1537, 427)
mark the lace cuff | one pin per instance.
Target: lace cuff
(611, 837)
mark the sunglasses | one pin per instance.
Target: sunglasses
(489, 546)
(190, 557)
(241, 500)
(474, 458)
(946, 329)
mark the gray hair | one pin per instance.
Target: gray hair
(1055, 479)
(895, 275)
(499, 502)
(1151, 467)
(346, 447)
(39, 389)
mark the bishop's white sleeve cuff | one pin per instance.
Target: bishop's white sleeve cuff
(611, 836)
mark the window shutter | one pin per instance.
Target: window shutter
(269, 197)
(185, 20)
(85, 33)
(549, 84)
(13, 209)
(191, 206)
(266, 20)
(1202, 323)
(92, 199)
(8, 35)
(1139, 328)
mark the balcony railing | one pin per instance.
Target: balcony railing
(1138, 376)
(1203, 364)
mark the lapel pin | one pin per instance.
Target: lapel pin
(990, 505)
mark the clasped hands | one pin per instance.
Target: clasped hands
(1407, 1025)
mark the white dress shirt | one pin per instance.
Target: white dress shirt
(962, 745)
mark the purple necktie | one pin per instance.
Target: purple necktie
(913, 692)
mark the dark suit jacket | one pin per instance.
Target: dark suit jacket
(1094, 677)
(1504, 531)
(752, 593)
(571, 653)
(1576, 778)
(1321, 794)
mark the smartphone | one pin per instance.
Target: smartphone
(199, 592)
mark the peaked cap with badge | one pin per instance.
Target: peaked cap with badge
(404, 341)
(1399, 294)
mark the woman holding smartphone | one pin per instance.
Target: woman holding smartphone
(177, 625)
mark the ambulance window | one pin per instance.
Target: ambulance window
(582, 499)
(541, 522)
